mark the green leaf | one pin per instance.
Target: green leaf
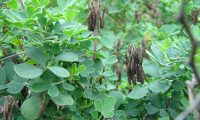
(61, 3)
(40, 2)
(98, 65)
(31, 107)
(94, 115)
(120, 115)
(108, 114)
(39, 85)
(98, 105)
(159, 86)
(170, 29)
(138, 92)
(37, 55)
(3, 76)
(68, 86)
(111, 60)
(132, 109)
(9, 69)
(164, 118)
(70, 14)
(68, 57)
(151, 68)
(31, 10)
(151, 109)
(17, 78)
(195, 31)
(173, 113)
(91, 94)
(106, 107)
(3, 87)
(118, 96)
(36, 2)
(158, 53)
(196, 3)
(15, 87)
(77, 117)
(64, 3)
(63, 99)
(28, 71)
(184, 102)
(15, 16)
(59, 71)
(164, 113)
(12, 4)
(81, 68)
(55, 48)
(53, 91)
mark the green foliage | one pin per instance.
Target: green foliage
(54, 59)
(68, 57)
(31, 107)
(28, 71)
(63, 99)
(105, 107)
(59, 71)
(138, 92)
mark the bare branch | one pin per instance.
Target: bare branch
(190, 108)
(193, 41)
(22, 4)
(193, 99)
(11, 56)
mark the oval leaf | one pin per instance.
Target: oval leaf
(28, 71)
(111, 60)
(59, 71)
(159, 86)
(15, 87)
(98, 104)
(68, 86)
(53, 91)
(151, 109)
(31, 107)
(39, 85)
(157, 53)
(138, 92)
(68, 57)
(37, 55)
(63, 99)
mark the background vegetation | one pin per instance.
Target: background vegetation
(49, 69)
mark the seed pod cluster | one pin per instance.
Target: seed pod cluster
(195, 15)
(91, 16)
(134, 61)
(117, 66)
(102, 19)
(95, 18)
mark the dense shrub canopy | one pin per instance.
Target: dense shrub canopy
(135, 67)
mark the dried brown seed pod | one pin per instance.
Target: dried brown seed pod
(134, 61)
(91, 16)
(194, 17)
(102, 19)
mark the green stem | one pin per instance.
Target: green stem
(57, 83)
(100, 117)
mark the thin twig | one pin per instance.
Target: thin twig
(189, 109)
(193, 99)
(11, 56)
(97, 11)
(96, 28)
(193, 41)
(22, 4)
